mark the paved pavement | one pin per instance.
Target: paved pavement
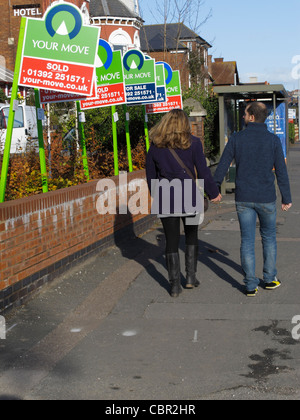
(108, 329)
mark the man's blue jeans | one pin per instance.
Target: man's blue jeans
(247, 214)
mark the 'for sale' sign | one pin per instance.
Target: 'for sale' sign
(140, 78)
(59, 51)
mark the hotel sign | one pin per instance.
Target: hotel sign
(27, 10)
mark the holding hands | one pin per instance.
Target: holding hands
(217, 199)
(286, 207)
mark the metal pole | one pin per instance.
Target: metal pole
(222, 133)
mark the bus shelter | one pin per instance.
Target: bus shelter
(232, 103)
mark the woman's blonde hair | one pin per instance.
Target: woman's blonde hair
(173, 131)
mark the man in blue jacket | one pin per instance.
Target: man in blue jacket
(257, 152)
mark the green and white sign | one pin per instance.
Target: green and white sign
(174, 95)
(59, 51)
(110, 79)
(140, 78)
(161, 89)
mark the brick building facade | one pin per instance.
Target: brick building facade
(119, 20)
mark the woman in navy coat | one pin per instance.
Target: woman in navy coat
(174, 203)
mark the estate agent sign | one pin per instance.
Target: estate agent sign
(140, 78)
(174, 94)
(59, 51)
(110, 79)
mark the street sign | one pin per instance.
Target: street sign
(59, 51)
(110, 79)
(140, 78)
(174, 95)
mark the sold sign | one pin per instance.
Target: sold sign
(59, 52)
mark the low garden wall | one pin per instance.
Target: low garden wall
(44, 235)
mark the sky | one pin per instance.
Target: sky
(262, 36)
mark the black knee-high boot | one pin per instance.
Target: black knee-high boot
(191, 259)
(173, 267)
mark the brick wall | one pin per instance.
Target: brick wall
(42, 236)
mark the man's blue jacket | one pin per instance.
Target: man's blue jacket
(257, 153)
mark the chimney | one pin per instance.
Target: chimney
(219, 60)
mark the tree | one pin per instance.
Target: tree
(181, 11)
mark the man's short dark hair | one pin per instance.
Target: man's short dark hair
(259, 110)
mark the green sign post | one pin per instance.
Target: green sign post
(41, 142)
(82, 142)
(114, 115)
(11, 117)
(146, 129)
(126, 114)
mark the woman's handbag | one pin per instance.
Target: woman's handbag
(206, 202)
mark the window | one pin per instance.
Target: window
(120, 39)
(120, 48)
(19, 118)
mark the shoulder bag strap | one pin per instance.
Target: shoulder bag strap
(182, 164)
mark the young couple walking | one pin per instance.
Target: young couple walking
(257, 153)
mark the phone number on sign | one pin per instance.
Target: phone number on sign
(56, 76)
(116, 95)
(52, 80)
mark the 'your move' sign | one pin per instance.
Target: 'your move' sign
(140, 78)
(59, 51)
